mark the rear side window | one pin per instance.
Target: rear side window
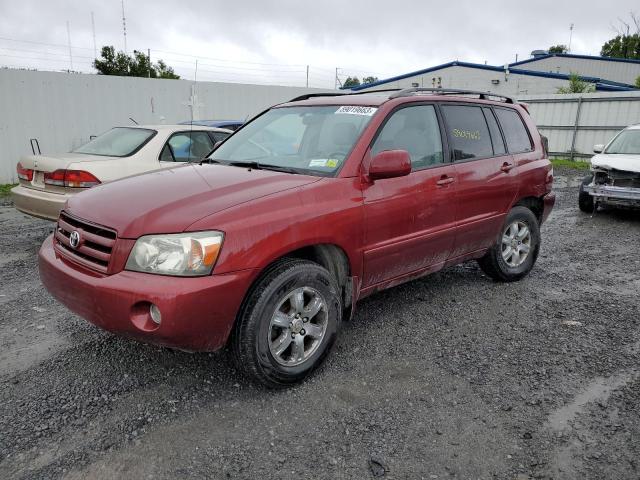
(468, 132)
(515, 132)
(496, 136)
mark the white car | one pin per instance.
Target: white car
(47, 181)
(615, 177)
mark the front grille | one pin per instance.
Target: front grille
(96, 242)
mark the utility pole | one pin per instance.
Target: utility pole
(337, 82)
(570, 37)
(69, 42)
(307, 76)
(93, 29)
(124, 28)
(149, 59)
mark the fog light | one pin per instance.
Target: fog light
(154, 311)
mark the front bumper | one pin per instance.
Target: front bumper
(614, 195)
(197, 313)
(38, 203)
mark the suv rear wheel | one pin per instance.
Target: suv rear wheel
(288, 323)
(516, 249)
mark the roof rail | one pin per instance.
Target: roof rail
(450, 91)
(339, 94)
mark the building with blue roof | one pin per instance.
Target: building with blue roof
(544, 73)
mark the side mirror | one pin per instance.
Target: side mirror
(390, 164)
(598, 148)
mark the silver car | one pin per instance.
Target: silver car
(47, 181)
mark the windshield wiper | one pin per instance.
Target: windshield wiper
(205, 160)
(264, 166)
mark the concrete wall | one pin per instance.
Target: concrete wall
(624, 72)
(575, 123)
(63, 110)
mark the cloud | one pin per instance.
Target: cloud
(359, 37)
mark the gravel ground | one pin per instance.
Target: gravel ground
(450, 376)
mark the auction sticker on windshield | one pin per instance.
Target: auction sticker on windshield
(354, 110)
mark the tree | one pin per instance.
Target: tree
(637, 82)
(369, 80)
(138, 65)
(577, 85)
(558, 49)
(351, 82)
(626, 44)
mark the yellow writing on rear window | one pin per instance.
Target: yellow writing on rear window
(469, 135)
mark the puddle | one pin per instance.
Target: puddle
(598, 390)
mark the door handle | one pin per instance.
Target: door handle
(506, 167)
(444, 180)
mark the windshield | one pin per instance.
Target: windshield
(117, 142)
(313, 140)
(628, 141)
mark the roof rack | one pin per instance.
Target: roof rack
(450, 91)
(340, 94)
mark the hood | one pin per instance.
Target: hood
(627, 163)
(49, 163)
(168, 201)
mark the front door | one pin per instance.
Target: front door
(410, 221)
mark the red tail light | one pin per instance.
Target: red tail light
(71, 178)
(24, 173)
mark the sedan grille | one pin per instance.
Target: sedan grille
(92, 250)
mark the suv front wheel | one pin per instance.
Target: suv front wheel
(288, 323)
(516, 249)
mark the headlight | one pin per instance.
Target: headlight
(180, 254)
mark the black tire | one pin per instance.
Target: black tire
(585, 201)
(494, 265)
(251, 336)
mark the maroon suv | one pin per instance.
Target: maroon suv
(268, 244)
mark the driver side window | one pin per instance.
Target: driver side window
(416, 130)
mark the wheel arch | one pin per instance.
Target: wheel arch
(330, 256)
(535, 204)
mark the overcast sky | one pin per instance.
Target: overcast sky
(232, 39)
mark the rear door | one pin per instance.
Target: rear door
(485, 174)
(410, 221)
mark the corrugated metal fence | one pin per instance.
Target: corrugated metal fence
(575, 123)
(63, 110)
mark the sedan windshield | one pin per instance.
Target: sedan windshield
(313, 140)
(628, 142)
(117, 142)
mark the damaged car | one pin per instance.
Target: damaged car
(615, 173)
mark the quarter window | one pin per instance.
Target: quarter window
(468, 132)
(514, 130)
(416, 130)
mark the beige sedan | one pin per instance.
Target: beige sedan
(47, 181)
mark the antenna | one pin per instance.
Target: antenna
(570, 37)
(124, 28)
(69, 42)
(93, 28)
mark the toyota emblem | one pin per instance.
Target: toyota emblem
(74, 239)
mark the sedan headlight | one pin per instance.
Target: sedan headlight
(180, 254)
